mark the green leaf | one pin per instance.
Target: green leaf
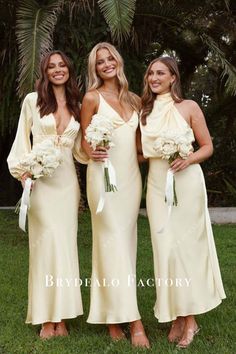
(230, 187)
(227, 4)
(34, 32)
(119, 16)
(229, 70)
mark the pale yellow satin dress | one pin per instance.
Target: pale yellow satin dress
(187, 274)
(113, 285)
(53, 287)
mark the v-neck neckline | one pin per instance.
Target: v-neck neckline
(55, 124)
(108, 104)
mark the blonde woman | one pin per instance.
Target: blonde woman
(185, 259)
(113, 285)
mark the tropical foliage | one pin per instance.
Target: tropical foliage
(201, 35)
(34, 32)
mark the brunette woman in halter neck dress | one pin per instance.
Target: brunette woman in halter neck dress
(185, 260)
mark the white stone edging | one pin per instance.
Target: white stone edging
(217, 215)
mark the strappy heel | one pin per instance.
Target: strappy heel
(189, 338)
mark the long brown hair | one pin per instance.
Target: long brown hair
(148, 97)
(94, 81)
(46, 99)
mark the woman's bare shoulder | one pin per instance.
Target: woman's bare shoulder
(91, 98)
(191, 104)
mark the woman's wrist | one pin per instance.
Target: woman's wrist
(191, 158)
(25, 176)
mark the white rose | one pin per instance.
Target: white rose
(169, 148)
(49, 160)
(99, 131)
(48, 171)
(37, 170)
(184, 150)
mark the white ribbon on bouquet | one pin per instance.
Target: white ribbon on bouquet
(25, 203)
(112, 177)
(169, 197)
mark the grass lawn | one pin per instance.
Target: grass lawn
(218, 326)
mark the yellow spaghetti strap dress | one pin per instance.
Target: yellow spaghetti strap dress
(113, 291)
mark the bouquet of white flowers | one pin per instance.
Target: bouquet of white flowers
(99, 133)
(170, 145)
(41, 161)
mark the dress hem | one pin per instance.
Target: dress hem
(189, 314)
(113, 322)
(54, 320)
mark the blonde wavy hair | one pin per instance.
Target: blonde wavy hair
(94, 81)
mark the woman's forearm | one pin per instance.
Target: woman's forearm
(202, 154)
(86, 147)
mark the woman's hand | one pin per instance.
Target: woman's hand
(99, 155)
(180, 164)
(24, 178)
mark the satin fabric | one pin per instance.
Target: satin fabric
(187, 274)
(53, 287)
(113, 285)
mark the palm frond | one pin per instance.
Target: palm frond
(34, 33)
(227, 4)
(75, 7)
(119, 16)
(229, 70)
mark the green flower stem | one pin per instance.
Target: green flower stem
(108, 186)
(175, 195)
(171, 159)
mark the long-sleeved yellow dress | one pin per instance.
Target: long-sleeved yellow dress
(53, 286)
(187, 274)
(113, 284)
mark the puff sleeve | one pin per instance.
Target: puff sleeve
(22, 144)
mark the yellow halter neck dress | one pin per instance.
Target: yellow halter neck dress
(187, 274)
